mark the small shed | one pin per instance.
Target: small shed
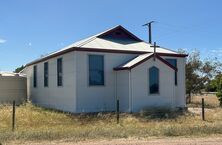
(13, 87)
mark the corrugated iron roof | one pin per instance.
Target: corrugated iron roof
(135, 60)
(114, 44)
(97, 43)
(140, 59)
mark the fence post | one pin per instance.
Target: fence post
(13, 116)
(117, 111)
(203, 112)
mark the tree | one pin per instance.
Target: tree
(199, 73)
(17, 70)
(218, 80)
(211, 86)
(193, 80)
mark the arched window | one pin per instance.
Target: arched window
(154, 80)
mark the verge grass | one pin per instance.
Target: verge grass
(210, 100)
(38, 124)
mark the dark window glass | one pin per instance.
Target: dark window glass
(35, 76)
(46, 74)
(173, 62)
(154, 80)
(96, 70)
(59, 72)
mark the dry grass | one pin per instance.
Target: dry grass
(211, 101)
(35, 123)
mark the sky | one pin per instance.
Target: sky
(29, 29)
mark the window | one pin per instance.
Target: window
(35, 76)
(173, 62)
(46, 74)
(59, 72)
(96, 70)
(154, 80)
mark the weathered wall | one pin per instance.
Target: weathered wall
(62, 98)
(13, 88)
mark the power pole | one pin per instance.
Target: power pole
(150, 30)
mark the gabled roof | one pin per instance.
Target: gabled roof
(101, 43)
(140, 59)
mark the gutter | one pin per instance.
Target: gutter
(98, 50)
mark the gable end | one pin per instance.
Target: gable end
(119, 33)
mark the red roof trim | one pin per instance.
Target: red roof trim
(50, 56)
(125, 30)
(170, 54)
(138, 63)
(99, 50)
(165, 62)
(147, 58)
(109, 51)
(84, 49)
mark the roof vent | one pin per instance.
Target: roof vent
(118, 33)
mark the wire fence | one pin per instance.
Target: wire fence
(14, 114)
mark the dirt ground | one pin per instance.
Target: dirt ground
(160, 141)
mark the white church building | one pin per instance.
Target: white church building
(91, 74)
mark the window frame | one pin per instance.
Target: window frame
(88, 70)
(58, 73)
(35, 80)
(46, 76)
(158, 93)
(175, 73)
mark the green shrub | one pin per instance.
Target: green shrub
(219, 96)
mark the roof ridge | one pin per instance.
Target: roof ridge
(160, 47)
(86, 41)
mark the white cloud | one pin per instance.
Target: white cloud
(215, 52)
(219, 50)
(2, 41)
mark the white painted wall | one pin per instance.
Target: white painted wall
(98, 98)
(77, 96)
(141, 98)
(13, 88)
(180, 89)
(62, 98)
(123, 90)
